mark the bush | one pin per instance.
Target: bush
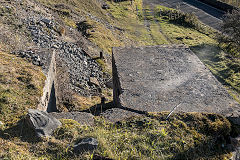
(230, 39)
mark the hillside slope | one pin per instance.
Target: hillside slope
(77, 31)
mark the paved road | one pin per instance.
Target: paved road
(205, 13)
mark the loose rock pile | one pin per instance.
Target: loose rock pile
(81, 67)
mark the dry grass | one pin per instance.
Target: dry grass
(195, 135)
(21, 86)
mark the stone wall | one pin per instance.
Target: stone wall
(49, 85)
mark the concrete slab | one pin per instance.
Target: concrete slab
(159, 78)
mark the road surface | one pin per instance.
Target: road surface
(205, 13)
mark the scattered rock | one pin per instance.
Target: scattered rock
(189, 38)
(86, 145)
(43, 123)
(47, 21)
(93, 80)
(82, 118)
(179, 38)
(235, 142)
(236, 154)
(105, 6)
(77, 62)
(98, 157)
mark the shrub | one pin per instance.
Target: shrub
(230, 39)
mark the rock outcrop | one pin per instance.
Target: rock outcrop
(43, 123)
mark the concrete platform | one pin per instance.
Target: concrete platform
(159, 78)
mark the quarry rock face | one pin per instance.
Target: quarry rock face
(166, 78)
(43, 123)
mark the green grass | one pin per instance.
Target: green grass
(183, 135)
(182, 35)
(232, 2)
(21, 85)
(227, 70)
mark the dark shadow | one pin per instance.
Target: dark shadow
(82, 27)
(20, 130)
(206, 8)
(205, 150)
(52, 107)
(97, 109)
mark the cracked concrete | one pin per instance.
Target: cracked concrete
(158, 78)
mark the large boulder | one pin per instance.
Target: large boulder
(43, 123)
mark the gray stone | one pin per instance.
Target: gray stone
(93, 80)
(86, 145)
(235, 142)
(43, 123)
(109, 84)
(105, 6)
(82, 118)
(236, 154)
(116, 114)
(159, 78)
(46, 21)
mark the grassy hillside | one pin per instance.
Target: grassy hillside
(192, 135)
(232, 2)
(21, 85)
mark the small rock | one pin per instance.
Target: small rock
(109, 84)
(43, 123)
(179, 38)
(235, 141)
(105, 6)
(94, 80)
(55, 46)
(189, 38)
(86, 145)
(47, 21)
